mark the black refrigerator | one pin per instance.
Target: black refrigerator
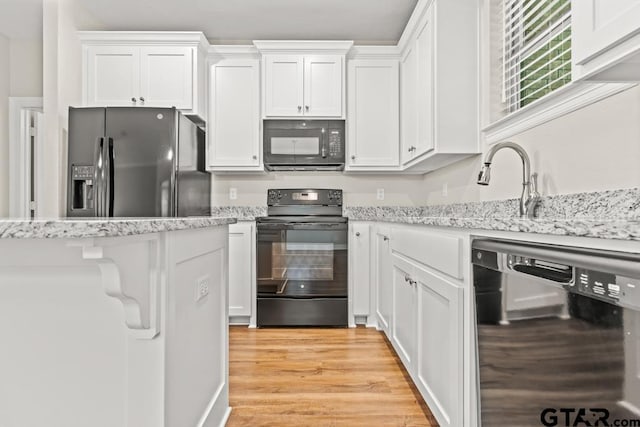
(135, 162)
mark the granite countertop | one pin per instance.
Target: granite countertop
(613, 214)
(73, 228)
(607, 215)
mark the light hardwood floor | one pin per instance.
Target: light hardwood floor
(319, 377)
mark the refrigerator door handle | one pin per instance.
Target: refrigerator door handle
(98, 176)
(108, 181)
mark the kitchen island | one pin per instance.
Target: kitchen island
(118, 322)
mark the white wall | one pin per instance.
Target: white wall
(592, 149)
(26, 67)
(4, 124)
(62, 87)
(358, 189)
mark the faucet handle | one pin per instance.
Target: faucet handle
(534, 197)
(533, 184)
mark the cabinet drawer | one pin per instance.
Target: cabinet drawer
(439, 251)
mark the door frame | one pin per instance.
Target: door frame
(20, 155)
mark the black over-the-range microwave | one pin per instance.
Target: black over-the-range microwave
(292, 145)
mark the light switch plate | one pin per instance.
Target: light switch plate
(380, 194)
(233, 193)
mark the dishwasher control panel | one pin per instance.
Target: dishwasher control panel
(596, 283)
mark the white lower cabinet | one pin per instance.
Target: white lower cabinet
(241, 272)
(438, 367)
(383, 278)
(420, 309)
(403, 323)
(359, 270)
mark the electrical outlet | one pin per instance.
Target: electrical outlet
(202, 288)
(233, 193)
(380, 194)
(445, 189)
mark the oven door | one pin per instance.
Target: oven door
(302, 260)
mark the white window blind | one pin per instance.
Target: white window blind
(536, 50)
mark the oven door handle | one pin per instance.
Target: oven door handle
(303, 225)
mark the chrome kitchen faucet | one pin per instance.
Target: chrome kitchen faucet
(530, 196)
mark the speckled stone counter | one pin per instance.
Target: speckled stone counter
(72, 228)
(607, 215)
(241, 213)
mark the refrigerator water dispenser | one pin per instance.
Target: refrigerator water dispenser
(82, 187)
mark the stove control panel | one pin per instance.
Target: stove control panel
(304, 197)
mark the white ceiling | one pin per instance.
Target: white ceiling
(240, 21)
(21, 19)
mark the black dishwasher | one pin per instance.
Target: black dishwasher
(558, 334)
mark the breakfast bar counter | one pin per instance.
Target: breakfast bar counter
(113, 322)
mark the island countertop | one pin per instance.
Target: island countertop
(73, 228)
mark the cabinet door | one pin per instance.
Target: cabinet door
(283, 85)
(439, 346)
(600, 24)
(373, 113)
(166, 77)
(234, 114)
(403, 323)
(113, 76)
(323, 86)
(383, 280)
(240, 268)
(408, 104)
(359, 249)
(425, 86)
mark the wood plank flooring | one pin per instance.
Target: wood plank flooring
(319, 377)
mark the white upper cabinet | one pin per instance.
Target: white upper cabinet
(439, 85)
(323, 86)
(284, 85)
(373, 113)
(309, 86)
(112, 75)
(409, 108)
(166, 76)
(303, 78)
(233, 131)
(155, 69)
(606, 39)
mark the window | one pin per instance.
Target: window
(536, 50)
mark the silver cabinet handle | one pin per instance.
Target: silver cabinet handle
(353, 157)
(412, 282)
(357, 234)
(306, 107)
(134, 100)
(406, 278)
(385, 238)
(412, 148)
(141, 99)
(254, 157)
(299, 108)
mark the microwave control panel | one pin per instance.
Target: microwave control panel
(335, 143)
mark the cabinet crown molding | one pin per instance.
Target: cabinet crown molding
(297, 47)
(144, 38)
